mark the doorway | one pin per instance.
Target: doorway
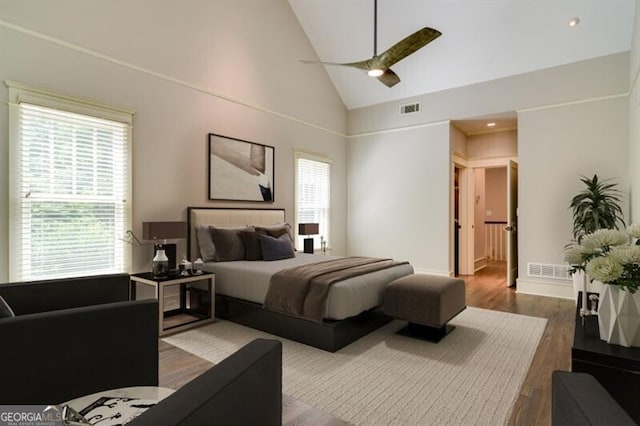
(490, 220)
(483, 218)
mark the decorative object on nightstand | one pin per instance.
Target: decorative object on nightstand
(162, 231)
(308, 229)
(185, 267)
(160, 264)
(198, 267)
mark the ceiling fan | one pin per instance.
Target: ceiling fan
(379, 65)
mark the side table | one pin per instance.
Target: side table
(616, 368)
(196, 307)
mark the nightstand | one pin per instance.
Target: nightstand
(196, 305)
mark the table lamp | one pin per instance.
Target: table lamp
(165, 231)
(308, 229)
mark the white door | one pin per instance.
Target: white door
(512, 223)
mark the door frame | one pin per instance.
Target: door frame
(466, 206)
(512, 223)
(466, 232)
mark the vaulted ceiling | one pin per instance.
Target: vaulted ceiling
(481, 39)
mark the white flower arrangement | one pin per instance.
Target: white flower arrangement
(609, 256)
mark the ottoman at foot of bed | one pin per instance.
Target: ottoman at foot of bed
(427, 302)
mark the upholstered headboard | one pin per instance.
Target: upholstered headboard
(225, 217)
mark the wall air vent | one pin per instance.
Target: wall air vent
(543, 270)
(410, 108)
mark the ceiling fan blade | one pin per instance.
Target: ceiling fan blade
(406, 47)
(363, 65)
(389, 78)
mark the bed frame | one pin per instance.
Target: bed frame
(328, 335)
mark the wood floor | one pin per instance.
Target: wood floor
(487, 289)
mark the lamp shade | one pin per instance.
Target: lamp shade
(163, 230)
(308, 228)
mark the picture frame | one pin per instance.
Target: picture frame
(240, 170)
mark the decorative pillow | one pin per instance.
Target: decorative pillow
(252, 246)
(205, 241)
(228, 243)
(277, 231)
(5, 309)
(276, 248)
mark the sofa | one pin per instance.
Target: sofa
(243, 389)
(73, 337)
(579, 399)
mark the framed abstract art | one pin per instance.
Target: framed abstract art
(240, 170)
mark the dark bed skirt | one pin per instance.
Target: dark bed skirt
(328, 335)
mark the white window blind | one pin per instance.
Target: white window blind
(70, 193)
(313, 192)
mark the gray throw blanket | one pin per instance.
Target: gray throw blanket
(302, 291)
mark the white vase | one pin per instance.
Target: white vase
(619, 316)
(160, 264)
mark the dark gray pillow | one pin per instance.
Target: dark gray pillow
(5, 309)
(277, 231)
(205, 242)
(252, 245)
(276, 248)
(229, 244)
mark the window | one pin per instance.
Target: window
(69, 186)
(313, 189)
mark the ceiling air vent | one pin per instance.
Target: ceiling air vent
(410, 108)
(544, 270)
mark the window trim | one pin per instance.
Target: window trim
(300, 154)
(21, 92)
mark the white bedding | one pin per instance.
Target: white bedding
(249, 280)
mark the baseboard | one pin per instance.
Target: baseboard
(480, 263)
(544, 288)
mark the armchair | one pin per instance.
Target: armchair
(72, 337)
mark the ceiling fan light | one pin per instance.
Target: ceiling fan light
(375, 72)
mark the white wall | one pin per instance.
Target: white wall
(399, 197)
(458, 141)
(634, 117)
(493, 145)
(188, 68)
(578, 111)
(556, 147)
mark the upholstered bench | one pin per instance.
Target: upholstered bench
(427, 302)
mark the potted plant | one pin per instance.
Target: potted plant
(613, 258)
(596, 207)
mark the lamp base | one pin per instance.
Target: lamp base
(308, 245)
(170, 251)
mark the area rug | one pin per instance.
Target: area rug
(473, 376)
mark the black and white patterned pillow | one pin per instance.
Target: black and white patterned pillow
(5, 309)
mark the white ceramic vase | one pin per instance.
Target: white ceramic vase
(619, 316)
(160, 264)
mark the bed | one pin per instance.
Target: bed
(242, 285)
